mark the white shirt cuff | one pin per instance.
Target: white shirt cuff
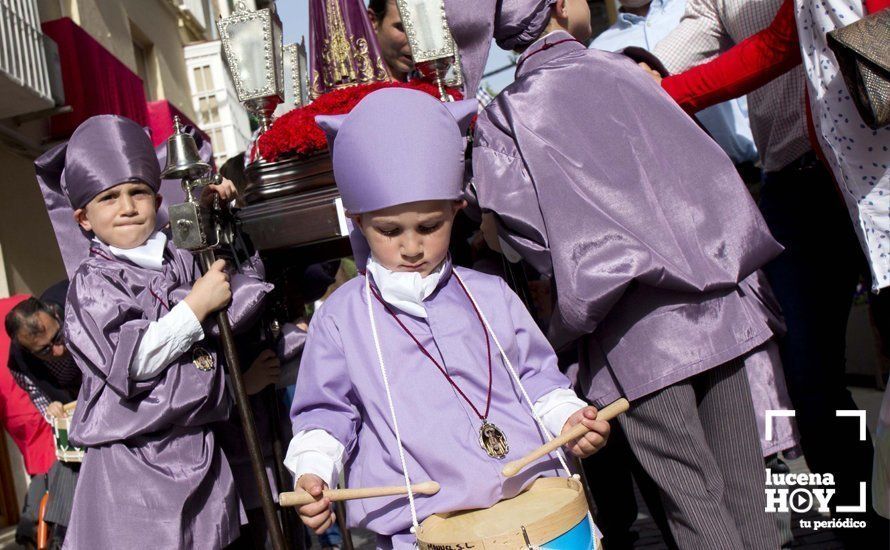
(164, 340)
(315, 452)
(555, 408)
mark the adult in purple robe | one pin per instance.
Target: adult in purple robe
(651, 237)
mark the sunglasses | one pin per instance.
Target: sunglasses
(56, 340)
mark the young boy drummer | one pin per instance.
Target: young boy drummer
(152, 384)
(402, 375)
(653, 243)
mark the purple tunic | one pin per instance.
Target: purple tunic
(600, 180)
(340, 390)
(153, 473)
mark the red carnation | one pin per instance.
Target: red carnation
(296, 133)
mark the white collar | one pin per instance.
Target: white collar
(149, 255)
(404, 290)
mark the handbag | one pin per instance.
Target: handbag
(862, 50)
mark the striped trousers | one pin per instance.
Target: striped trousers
(698, 441)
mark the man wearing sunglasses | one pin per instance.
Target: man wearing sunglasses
(40, 363)
(38, 359)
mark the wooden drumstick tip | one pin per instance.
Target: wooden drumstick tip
(607, 413)
(426, 488)
(300, 498)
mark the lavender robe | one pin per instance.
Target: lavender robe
(340, 390)
(153, 473)
(598, 179)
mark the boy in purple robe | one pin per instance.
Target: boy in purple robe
(401, 378)
(152, 383)
(653, 244)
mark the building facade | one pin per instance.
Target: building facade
(219, 114)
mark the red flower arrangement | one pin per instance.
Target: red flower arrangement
(297, 134)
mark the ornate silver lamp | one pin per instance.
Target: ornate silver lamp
(296, 78)
(429, 36)
(252, 45)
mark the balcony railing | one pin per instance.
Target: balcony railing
(24, 77)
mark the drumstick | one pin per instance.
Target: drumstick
(68, 407)
(299, 498)
(608, 412)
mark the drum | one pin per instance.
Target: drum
(65, 451)
(550, 514)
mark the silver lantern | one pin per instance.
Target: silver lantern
(296, 78)
(432, 46)
(252, 45)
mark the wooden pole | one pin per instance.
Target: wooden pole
(227, 338)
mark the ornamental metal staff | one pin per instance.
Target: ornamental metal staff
(196, 228)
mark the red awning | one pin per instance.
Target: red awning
(95, 81)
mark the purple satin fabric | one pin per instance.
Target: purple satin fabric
(472, 26)
(766, 378)
(600, 180)
(230, 435)
(339, 390)
(521, 22)
(249, 291)
(763, 368)
(104, 151)
(357, 28)
(474, 22)
(381, 160)
(151, 453)
(291, 343)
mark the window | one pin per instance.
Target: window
(143, 53)
(142, 61)
(203, 79)
(218, 142)
(208, 109)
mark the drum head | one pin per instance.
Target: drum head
(548, 508)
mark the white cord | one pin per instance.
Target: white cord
(596, 532)
(509, 365)
(392, 410)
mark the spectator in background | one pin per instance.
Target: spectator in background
(41, 365)
(644, 23)
(38, 359)
(31, 434)
(801, 203)
(387, 23)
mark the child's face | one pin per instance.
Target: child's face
(411, 237)
(122, 216)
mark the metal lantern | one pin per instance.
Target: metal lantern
(300, 73)
(429, 36)
(252, 45)
(296, 78)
